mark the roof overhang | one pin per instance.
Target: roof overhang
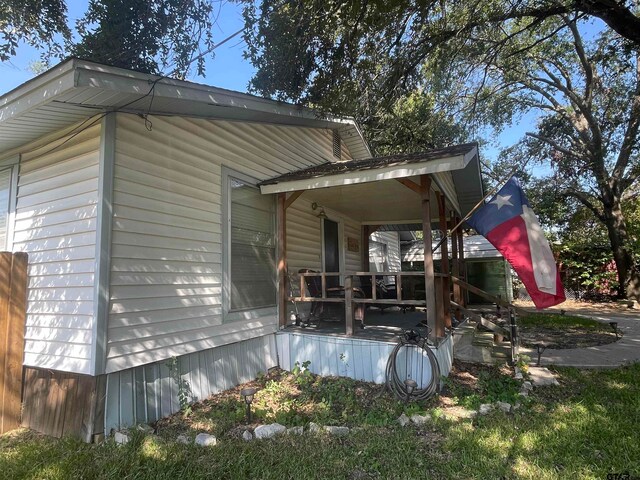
(76, 89)
(455, 171)
(377, 174)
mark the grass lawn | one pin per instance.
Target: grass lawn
(561, 321)
(585, 428)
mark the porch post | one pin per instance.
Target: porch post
(366, 231)
(461, 266)
(444, 262)
(455, 266)
(433, 322)
(282, 259)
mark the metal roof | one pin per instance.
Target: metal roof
(75, 90)
(360, 165)
(455, 170)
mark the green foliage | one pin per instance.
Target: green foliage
(145, 35)
(36, 22)
(185, 396)
(560, 321)
(584, 428)
(301, 373)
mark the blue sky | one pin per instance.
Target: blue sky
(230, 70)
(227, 70)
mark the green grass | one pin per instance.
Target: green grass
(585, 428)
(561, 321)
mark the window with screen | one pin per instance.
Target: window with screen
(252, 254)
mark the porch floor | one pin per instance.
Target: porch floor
(384, 326)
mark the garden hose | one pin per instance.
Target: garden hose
(397, 386)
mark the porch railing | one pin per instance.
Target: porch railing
(351, 286)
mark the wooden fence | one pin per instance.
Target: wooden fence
(13, 300)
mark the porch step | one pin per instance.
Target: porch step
(483, 339)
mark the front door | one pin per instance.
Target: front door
(331, 251)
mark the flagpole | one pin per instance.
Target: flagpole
(445, 235)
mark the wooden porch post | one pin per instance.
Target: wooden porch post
(461, 266)
(444, 262)
(455, 265)
(282, 259)
(436, 324)
(366, 231)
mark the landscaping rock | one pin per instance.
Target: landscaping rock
(485, 409)
(295, 431)
(527, 386)
(183, 439)
(420, 419)
(542, 377)
(516, 406)
(314, 428)
(121, 438)
(523, 393)
(403, 420)
(247, 436)
(518, 376)
(269, 431)
(147, 429)
(504, 406)
(337, 431)
(205, 440)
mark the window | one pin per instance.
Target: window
(251, 251)
(5, 189)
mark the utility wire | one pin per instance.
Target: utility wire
(82, 127)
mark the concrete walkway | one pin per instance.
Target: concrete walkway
(624, 351)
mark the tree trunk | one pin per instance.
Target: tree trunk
(628, 274)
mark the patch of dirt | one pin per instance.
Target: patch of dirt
(566, 337)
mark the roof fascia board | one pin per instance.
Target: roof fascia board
(38, 91)
(365, 176)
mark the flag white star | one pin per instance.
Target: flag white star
(502, 200)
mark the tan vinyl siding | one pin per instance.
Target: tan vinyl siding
(392, 240)
(304, 240)
(353, 260)
(55, 223)
(5, 189)
(166, 268)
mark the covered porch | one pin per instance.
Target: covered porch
(326, 215)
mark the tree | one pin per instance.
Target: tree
(494, 62)
(145, 35)
(323, 51)
(588, 96)
(34, 21)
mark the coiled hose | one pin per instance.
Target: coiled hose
(412, 339)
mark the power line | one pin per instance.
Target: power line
(151, 93)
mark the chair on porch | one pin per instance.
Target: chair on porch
(384, 291)
(331, 311)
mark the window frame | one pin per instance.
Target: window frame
(229, 314)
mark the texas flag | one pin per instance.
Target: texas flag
(508, 222)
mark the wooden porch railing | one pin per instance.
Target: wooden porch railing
(351, 286)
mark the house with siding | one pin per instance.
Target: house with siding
(159, 221)
(486, 268)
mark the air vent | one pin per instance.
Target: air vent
(337, 149)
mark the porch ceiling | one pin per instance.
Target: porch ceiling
(367, 189)
(375, 203)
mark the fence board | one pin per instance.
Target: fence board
(13, 298)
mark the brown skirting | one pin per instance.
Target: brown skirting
(61, 404)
